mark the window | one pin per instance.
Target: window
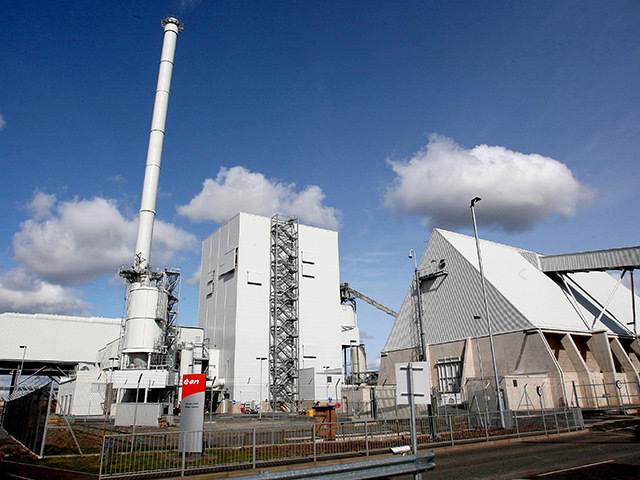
(211, 284)
(449, 372)
(229, 261)
(254, 278)
(308, 270)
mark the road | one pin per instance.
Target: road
(612, 452)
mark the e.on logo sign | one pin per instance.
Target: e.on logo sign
(193, 383)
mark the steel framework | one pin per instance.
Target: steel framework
(283, 303)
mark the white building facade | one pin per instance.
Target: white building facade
(234, 310)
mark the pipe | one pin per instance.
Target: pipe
(172, 27)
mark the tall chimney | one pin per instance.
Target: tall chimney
(172, 27)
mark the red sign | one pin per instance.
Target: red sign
(193, 383)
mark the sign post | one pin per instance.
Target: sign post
(413, 387)
(192, 412)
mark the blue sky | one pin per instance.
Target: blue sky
(380, 119)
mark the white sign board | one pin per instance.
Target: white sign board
(421, 388)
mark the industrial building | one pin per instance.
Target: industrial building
(270, 305)
(564, 329)
(51, 344)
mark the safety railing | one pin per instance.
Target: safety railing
(128, 455)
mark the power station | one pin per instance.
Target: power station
(278, 331)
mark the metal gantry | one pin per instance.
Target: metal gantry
(283, 303)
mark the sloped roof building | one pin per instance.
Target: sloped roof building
(561, 323)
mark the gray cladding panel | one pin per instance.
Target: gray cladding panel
(450, 302)
(614, 259)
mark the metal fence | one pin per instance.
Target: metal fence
(36, 417)
(137, 455)
(25, 417)
(606, 395)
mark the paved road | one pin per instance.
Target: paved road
(611, 453)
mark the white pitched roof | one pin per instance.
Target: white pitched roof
(55, 338)
(529, 290)
(520, 295)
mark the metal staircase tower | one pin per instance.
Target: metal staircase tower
(283, 305)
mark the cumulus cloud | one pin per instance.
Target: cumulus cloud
(3, 122)
(194, 279)
(237, 189)
(374, 364)
(40, 206)
(25, 293)
(518, 190)
(72, 242)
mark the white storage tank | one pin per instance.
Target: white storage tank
(143, 327)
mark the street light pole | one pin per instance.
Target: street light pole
(260, 404)
(24, 353)
(423, 348)
(486, 312)
(16, 374)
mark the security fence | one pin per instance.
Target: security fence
(138, 455)
(606, 394)
(35, 415)
(25, 417)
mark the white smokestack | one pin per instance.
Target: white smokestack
(147, 304)
(172, 27)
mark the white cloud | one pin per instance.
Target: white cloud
(3, 122)
(40, 206)
(25, 293)
(374, 365)
(82, 239)
(518, 190)
(365, 336)
(194, 279)
(239, 190)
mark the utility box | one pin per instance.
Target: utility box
(325, 416)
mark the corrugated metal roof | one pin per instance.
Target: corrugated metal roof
(613, 259)
(451, 301)
(55, 338)
(520, 296)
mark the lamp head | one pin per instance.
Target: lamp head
(475, 200)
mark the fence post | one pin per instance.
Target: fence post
(366, 436)
(46, 421)
(101, 457)
(486, 425)
(184, 453)
(555, 416)
(575, 393)
(515, 418)
(314, 443)
(620, 401)
(606, 394)
(451, 430)
(253, 450)
(566, 419)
